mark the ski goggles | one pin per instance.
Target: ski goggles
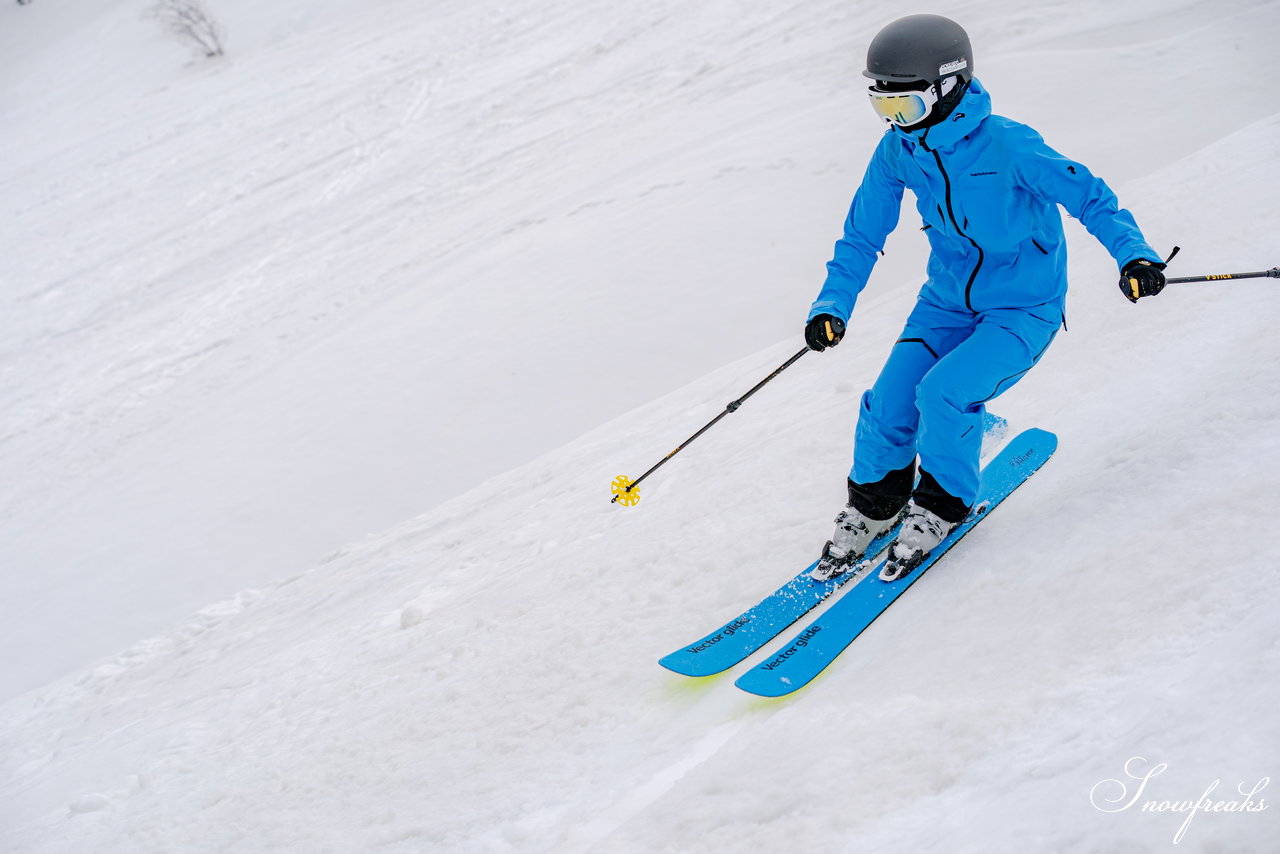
(903, 108)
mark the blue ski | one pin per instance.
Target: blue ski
(809, 653)
(756, 626)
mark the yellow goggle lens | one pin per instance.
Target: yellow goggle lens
(904, 108)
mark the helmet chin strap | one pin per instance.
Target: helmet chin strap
(937, 114)
(943, 90)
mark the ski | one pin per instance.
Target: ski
(755, 627)
(811, 651)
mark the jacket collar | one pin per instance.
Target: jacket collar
(964, 119)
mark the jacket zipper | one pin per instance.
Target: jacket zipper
(946, 180)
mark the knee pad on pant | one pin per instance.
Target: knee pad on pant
(936, 394)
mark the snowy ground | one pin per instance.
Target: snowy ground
(461, 265)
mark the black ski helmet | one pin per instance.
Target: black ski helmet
(927, 52)
(920, 48)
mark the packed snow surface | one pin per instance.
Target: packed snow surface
(349, 330)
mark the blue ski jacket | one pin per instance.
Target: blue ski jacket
(987, 188)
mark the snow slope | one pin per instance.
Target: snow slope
(265, 307)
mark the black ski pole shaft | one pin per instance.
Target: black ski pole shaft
(1273, 273)
(731, 407)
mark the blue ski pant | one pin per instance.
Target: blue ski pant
(931, 394)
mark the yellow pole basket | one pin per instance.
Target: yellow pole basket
(624, 492)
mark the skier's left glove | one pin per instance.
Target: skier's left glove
(1141, 278)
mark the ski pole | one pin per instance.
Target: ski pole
(1273, 273)
(626, 491)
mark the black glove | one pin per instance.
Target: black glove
(823, 331)
(1141, 278)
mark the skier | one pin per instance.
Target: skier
(987, 189)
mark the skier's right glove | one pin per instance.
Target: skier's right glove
(823, 331)
(1141, 278)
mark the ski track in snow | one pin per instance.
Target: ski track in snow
(241, 313)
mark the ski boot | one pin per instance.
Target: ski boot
(921, 533)
(854, 532)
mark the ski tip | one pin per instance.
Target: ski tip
(1039, 438)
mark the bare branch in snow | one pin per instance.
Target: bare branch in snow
(191, 23)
